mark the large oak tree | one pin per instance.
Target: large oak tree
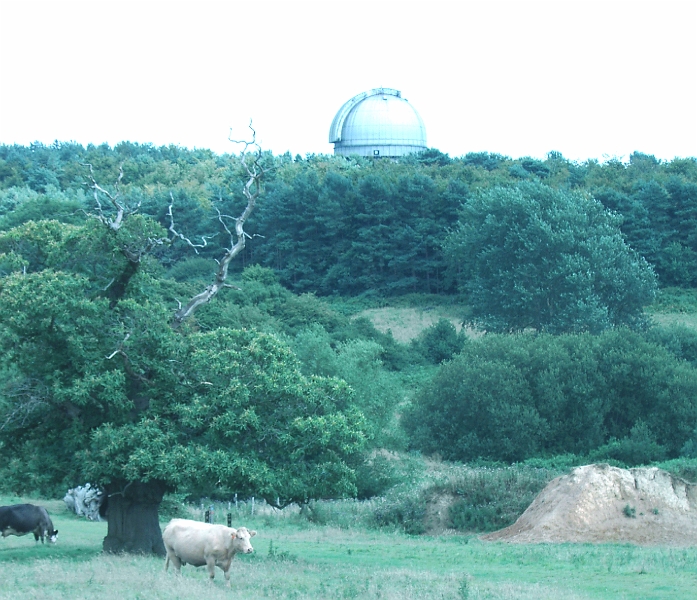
(105, 377)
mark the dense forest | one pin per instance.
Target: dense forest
(343, 227)
(275, 388)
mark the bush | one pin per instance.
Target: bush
(338, 513)
(616, 396)
(375, 476)
(639, 448)
(675, 299)
(680, 340)
(475, 408)
(440, 341)
(402, 508)
(685, 468)
(493, 498)
(194, 269)
(174, 506)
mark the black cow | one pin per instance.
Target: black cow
(20, 519)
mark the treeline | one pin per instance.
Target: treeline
(345, 227)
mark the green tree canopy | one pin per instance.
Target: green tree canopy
(512, 397)
(536, 257)
(101, 380)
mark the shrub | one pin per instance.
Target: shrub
(475, 409)
(493, 498)
(193, 269)
(616, 396)
(440, 341)
(680, 340)
(684, 467)
(639, 448)
(174, 506)
(402, 508)
(375, 476)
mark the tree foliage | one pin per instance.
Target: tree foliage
(97, 385)
(220, 405)
(546, 259)
(349, 226)
(512, 397)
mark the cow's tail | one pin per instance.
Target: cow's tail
(167, 563)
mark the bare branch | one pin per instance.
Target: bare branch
(122, 492)
(128, 366)
(176, 234)
(114, 199)
(122, 211)
(251, 190)
(120, 350)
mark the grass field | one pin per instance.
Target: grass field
(406, 323)
(299, 560)
(688, 320)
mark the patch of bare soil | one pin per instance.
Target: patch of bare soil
(600, 503)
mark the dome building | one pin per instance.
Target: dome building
(377, 123)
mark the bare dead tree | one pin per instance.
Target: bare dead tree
(123, 210)
(238, 236)
(115, 218)
(114, 199)
(133, 252)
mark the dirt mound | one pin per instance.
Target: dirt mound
(600, 503)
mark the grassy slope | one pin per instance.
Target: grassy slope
(295, 559)
(406, 323)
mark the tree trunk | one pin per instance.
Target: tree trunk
(132, 516)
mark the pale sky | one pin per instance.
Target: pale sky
(592, 80)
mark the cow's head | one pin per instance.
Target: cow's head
(52, 536)
(240, 540)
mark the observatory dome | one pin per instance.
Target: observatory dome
(376, 123)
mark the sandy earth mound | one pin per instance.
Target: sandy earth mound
(600, 503)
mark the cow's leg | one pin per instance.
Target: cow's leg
(175, 561)
(226, 569)
(210, 562)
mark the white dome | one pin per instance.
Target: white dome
(378, 123)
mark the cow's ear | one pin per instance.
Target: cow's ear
(252, 533)
(233, 535)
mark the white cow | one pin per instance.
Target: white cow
(201, 544)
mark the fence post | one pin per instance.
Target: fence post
(252, 505)
(229, 519)
(207, 516)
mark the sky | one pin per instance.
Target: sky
(592, 80)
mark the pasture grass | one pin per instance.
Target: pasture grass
(295, 559)
(677, 318)
(405, 323)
